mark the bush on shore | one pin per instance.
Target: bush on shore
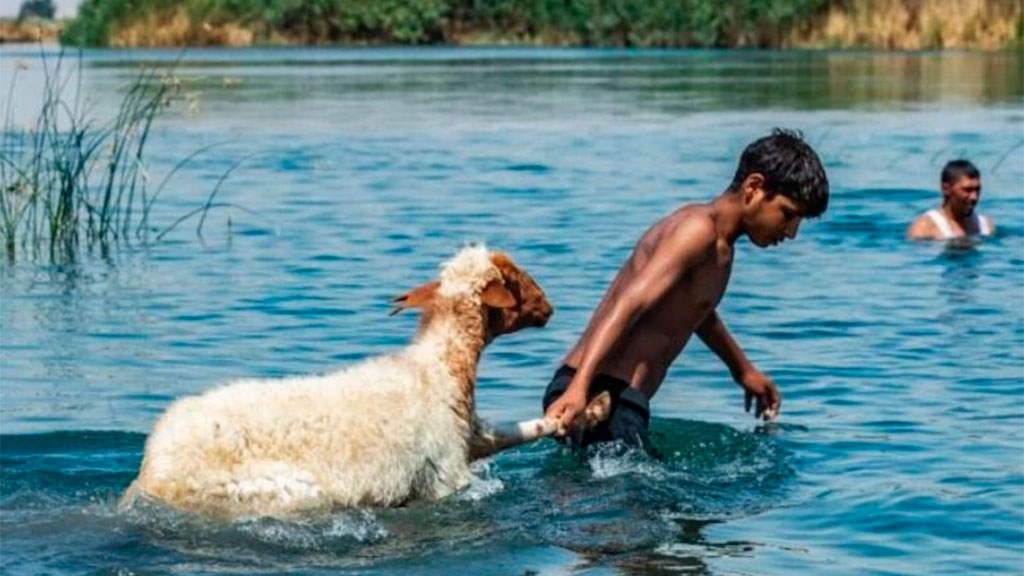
(889, 24)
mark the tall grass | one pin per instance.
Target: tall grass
(915, 25)
(68, 181)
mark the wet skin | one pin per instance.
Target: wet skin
(959, 202)
(668, 290)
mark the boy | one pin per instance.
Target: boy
(956, 218)
(671, 284)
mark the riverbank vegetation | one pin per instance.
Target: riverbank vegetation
(36, 22)
(882, 24)
(29, 30)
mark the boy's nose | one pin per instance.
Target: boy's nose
(791, 231)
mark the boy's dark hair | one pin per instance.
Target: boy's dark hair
(790, 167)
(957, 169)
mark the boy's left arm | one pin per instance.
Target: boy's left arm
(755, 384)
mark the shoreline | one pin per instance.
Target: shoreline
(55, 44)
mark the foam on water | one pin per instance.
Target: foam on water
(615, 459)
(483, 483)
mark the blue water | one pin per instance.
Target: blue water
(900, 449)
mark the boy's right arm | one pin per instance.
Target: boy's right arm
(686, 246)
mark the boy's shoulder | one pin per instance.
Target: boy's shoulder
(691, 227)
(698, 219)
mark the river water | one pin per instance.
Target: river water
(900, 448)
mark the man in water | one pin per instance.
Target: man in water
(671, 284)
(956, 218)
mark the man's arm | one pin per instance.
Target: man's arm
(922, 229)
(755, 384)
(689, 244)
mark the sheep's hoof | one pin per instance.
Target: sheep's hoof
(597, 411)
(560, 429)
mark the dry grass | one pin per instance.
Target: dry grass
(914, 25)
(177, 29)
(29, 31)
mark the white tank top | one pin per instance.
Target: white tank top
(947, 231)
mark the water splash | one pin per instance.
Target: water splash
(60, 487)
(483, 484)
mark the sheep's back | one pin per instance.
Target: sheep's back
(376, 433)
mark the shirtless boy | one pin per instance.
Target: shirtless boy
(671, 284)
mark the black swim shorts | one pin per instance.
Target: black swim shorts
(629, 417)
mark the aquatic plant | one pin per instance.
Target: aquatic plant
(69, 179)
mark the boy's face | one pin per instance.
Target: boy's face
(770, 218)
(962, 196)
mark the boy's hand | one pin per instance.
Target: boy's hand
(567, 407)
(760, 387)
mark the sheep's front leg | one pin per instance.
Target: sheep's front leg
(487, 440)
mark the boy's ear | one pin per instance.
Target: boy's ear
(497, 295)
(753, 188)
(415, 298)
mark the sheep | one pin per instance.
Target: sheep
(382, 432)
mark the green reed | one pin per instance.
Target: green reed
(69, 180)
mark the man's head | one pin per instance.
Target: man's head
(961, 187)
(781, 181)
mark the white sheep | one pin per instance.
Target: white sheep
(380, 433)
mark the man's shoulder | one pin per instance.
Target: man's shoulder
(922, 227)
(923, 219)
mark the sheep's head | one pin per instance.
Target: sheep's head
(510, 298)
(528, 306)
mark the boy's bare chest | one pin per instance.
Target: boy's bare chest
(696, 294)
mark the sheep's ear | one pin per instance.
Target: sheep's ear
(496, 295)
(415, 298)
